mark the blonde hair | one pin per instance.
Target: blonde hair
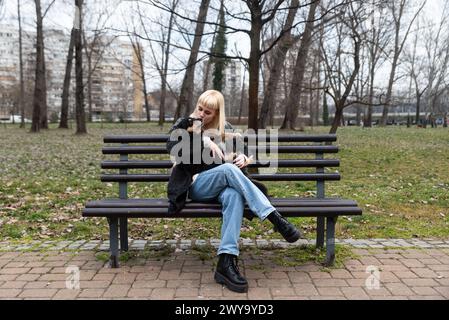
(214, 100)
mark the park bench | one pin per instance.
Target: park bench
(119, 210)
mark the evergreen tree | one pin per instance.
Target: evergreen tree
(219, 49)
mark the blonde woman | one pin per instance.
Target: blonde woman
(223, 182)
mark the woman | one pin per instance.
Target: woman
(222, 182)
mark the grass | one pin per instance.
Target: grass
(399, 176)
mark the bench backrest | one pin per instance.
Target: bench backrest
(297, 146)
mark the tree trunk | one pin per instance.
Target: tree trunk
(418, 107)
(79, 97)
(298, 73)
(254, 65)
(253, 88)
(89, 90)
(145, 90)
(165, 69)
(279, 54)
(40, 87)
(185, 103)
(242, 96)
(63, 123)
(338, 118)
(22, 82)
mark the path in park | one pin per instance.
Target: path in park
(414, 269)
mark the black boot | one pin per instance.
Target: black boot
(285, 228)
(228, 273)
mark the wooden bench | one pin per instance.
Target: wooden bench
(119, 210)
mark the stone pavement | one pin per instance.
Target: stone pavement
(380, 269)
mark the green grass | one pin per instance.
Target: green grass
(399, 176)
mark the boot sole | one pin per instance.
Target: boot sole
(290, 238)
(294, 237)
(219, 278)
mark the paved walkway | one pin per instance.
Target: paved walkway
(414, 269)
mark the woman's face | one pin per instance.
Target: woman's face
(205, 113)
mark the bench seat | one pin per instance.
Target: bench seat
(157, 208)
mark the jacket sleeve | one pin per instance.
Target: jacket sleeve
(181, 123)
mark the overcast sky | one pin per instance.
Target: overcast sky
(61, 17)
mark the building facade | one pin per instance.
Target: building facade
(116, 86)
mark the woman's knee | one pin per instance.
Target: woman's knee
(231, 169)
(230, 194)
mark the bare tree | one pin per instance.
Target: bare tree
(39, 120)
(397, 8)
(96, 41)
(22, 81)
(63, 121)
(437, 57)
(164, 70)
(298, 72)
(378, 38)
(414, 64)
(79, 96)
(186, 95)
(343, 61)
(275, 69)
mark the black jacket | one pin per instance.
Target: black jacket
(182, 173)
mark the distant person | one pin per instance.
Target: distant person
(222, 182)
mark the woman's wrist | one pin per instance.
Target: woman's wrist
(207, 141)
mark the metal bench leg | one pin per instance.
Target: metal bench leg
(320, 232)
(330, 240)
(113, 242)
(123, 234)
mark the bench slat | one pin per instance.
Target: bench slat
(209, 212)
(167, 164)
(164, 137)
(163, 203)
(261, 177)
(163, 150)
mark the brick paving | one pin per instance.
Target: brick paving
(413, 269)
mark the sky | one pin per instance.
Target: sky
(61, 17)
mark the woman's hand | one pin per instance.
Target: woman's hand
(216, 151)
(242, 160)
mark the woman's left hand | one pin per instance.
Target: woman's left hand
(242, 161)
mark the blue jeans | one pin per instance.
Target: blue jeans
(232, 188)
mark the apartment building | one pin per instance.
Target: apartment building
(116, 86)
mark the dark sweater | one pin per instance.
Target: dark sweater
(182, 173)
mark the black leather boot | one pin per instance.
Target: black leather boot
(228, 273)
(285, 228)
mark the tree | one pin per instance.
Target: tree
(342, 65)
(185, 104)
(39, 119)
(415, 67)
(220, 49)
(257, 11)
(437, 60)
(79, 95)
(165, 65)
(96, 41)
(63, 122)
(22, 81)
(380, 36)
(279, 54)
(298, 73)
(397, 8)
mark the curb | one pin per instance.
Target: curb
(185, 244)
